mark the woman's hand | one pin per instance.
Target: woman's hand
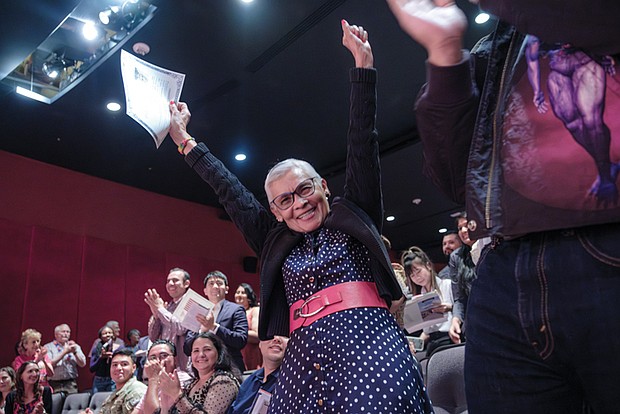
(355, 38)
(443, 308)
(169, 384)
(437, 25)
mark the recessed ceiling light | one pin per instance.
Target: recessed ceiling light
(240, 157)
(416, 201)
(443, 230)
(247, 1)
(482, 18)
(390, 218)
(113, 106)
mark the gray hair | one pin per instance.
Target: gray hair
(59, 327)
(289, 164)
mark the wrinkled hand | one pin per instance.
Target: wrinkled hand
(179, 118)
(207, 321)
(455, 331)
(355, 38)
(152, 298)
(437, 25)
(39, 355)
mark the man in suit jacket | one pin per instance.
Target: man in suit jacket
(163, 324)
(227, 319)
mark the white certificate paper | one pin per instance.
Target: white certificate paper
(148, 92)
(189, 307)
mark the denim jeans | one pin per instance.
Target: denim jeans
(102, 384)
(543, 333)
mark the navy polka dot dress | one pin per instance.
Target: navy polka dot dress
(353, 361)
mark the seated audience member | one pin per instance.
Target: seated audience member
(161, 359)
(163, 324)
(29, 396)
(30, 349)
(133, 337)
(462, 273)
(216, 380)
(420, 271)
(100, 360)
(245, 296)
(7, 384)
(129, 391)
(263, 379)
(116, 331)
(227, 320)
(450, 242)
(66, 356)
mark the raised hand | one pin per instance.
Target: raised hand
(179, 118)
(355, 38)
(437, 25)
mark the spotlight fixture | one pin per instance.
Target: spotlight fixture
(55, 65)
(126, 16)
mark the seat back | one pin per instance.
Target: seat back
(445, 381)
(58, 399)
(96, 401)
(75, 403)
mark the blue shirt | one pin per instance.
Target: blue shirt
(249, 389)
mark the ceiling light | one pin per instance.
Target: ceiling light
(416, 201)
(240, 157)
(113, 106)
(482, 18)
(247, 1)
(32, 95)
(89, 31)
(109, 14)
(443, 230)
(390, 218)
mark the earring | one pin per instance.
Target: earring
(327, 194)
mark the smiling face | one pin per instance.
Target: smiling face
(176, 285)
(204, 356)
(106, 334)
(464, 232)
(163, 354)
(450, 243)
(30, 376)
(241, 297)
(216, 289)
(306, 214)
(273, 350)
(122, 369)
(6, 383)
(32, 344)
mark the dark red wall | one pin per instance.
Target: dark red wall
(81, 250)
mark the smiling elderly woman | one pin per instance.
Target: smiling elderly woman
(326, 278)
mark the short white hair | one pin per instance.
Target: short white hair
(289, 164)
(59, 327)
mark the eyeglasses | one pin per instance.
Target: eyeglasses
(304, 190)
(161, 357)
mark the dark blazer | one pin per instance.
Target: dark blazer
(233, 331)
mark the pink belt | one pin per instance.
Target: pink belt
(334, 299)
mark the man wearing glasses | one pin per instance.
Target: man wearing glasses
(160, 360)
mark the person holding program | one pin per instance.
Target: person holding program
(313, 251)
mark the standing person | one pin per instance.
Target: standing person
(29, 397)
(163, 324)
(215, 384)
(100, 360)
(420, 272)
(312, 250)
(7, 384)
(551, 274)
(66, 356)
(227, 320)
(30, 349)
(116, 339)
(245, 296)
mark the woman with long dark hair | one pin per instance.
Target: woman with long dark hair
(245, 296)
(29, 397)
(215, 384)
(7, 384)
